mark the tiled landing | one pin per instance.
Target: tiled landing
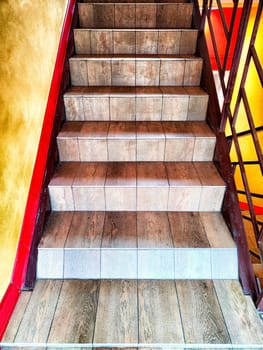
(157, 245)
(135, 314)
(136, 141)
(141, 70)
(164, 103)
(131, 186)
(135, 15)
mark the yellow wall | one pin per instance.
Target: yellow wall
(29, 36)
(254, 92)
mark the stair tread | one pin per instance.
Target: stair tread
(134, 130)
(136, 57)
(134, 90)
(140, 15)
(135, 41)
(130, 313)
(124, 174)
(136, 30)
(133, 1)
(152, 230)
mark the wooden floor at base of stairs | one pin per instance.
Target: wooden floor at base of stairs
(130, 313)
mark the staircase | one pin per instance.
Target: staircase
(135, 251)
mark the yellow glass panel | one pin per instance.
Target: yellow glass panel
(227, 128)
(254, 92)
(255, 180)
(241, 120)
(247, 148)
(259, 41)
(233, 154)
(243, 56)
(238, 179)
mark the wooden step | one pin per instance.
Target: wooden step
(139, 70)
(134, 1)
(136, 245)
(136, 103)
(142, 186)
(139, 15)
(130, 314)
(135, 41)
(136, 141)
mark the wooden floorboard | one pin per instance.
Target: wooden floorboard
(117, 314)
(86, 230)
(56, 230)
(199, 314)
(120, 230)
(153, 230)
(202, 319)
(38, 316)
(159, 316)
(78, 301)
(187, 230)
(243, 323)
(17, 317)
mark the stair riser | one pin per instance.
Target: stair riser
(188, 263)
(135, 15)
(135, 72)
(173, 42)
(139, 108)
(177, 149)
(159, 198)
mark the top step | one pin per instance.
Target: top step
(135, 15)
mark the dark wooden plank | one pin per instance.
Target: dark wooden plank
(120, 230)
(17, 317)
(159, 316)
(117, 318)
(153, 230)
(39, 313)
(74, 319)
(202, 319)
(86, 230)
(56, 230)
(187, 230)
(243, 323)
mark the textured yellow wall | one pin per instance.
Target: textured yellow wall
(29, 36)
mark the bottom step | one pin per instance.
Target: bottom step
(131, 245)
(131, 314)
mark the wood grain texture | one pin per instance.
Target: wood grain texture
(17, 317)
(56, 230)
(243, 323)
(187, 230)
(120, 230)
(217, 231)
(86, 230)
(117, 319)
(39, 313)
(159, 317)
(202, 318)
(121, 174)
(74, 319)
(153, 230)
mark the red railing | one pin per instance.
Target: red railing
(228, 46)
(24, 267)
